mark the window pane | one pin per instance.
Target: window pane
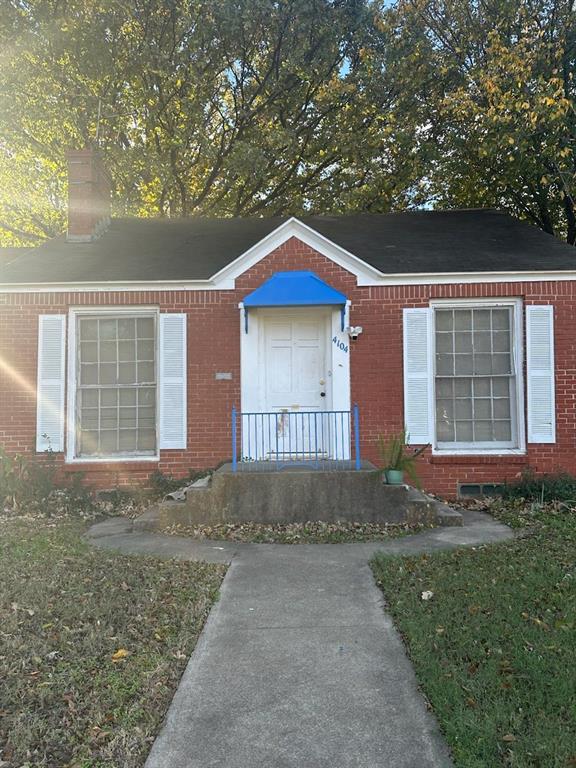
(147, 396)
(90, 418)
(106, 330)
(463, 387)
(108, 373)
(128, 417)
(126, 328)
(127, 373)
(147, 417)
(89, 352)
(501, 341)
(501, 408)
(88, 330)
(88, 398)
(445, 365)
(501, 364)
(445, 432)
(482, 387)
(108, 352)
(501, 387)
(88, 442)
(463, 365)
(483, 431)
(146, 349)
(463, 408)
(88, 374)
(128, 440)
(146, 439)
(444, 320)
(127, 350)
(463, 319)
(108, 397)
(500, 319)
(482, 341)
(483, 365)
(444, 387)
(108, 441)
(108, 418)
(128, 396)
(502, 430)
(464, 433)
(482, 319)
(145, 372)
(483, 409)
(445, 410)
(145, 328)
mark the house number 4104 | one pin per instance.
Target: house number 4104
(340, 344)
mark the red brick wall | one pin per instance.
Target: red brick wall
(214, 345)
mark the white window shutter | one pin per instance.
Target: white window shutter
(173, 399)
(540, 374)
(51, 382)
(418, 376)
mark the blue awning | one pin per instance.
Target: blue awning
(294, 289)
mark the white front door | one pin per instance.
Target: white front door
(295, 363)
(295, 384)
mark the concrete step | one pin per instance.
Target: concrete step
(296, 497)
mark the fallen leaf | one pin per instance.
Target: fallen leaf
(120, 654)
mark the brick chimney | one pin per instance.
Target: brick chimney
(89, 189)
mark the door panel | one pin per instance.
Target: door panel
(295, 376)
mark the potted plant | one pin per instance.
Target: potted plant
(398, 459)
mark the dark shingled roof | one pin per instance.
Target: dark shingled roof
(196, 248)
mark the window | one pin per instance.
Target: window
(475, 377)
(115, 385)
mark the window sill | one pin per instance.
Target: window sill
(112, 459)
(500, 457)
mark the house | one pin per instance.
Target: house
(125, 344)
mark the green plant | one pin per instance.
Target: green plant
(558, 486)
(24, 480)
(31, 484)
(395, 454)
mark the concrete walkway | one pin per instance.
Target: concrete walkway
(298, 665)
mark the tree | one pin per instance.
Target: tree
(496, 98)
(216, 107)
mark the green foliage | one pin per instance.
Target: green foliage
(494, 648)
(32, 486)
(254, 107)
(395, 454)
(495, 85)
(223, 107)
(559, 486)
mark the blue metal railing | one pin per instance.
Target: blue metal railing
(281, 439)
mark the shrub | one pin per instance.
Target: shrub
(32, 485)
(559, 486)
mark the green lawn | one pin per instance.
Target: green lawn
(495, 647)
(92, 645)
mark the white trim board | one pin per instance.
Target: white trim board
(366, 275)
